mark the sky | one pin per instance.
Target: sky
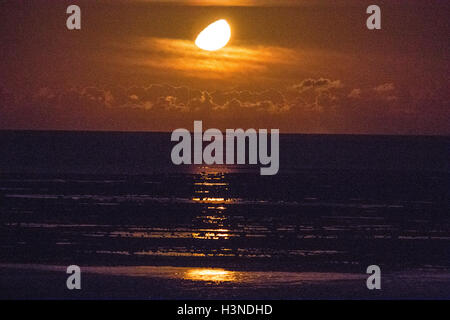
(298, 66)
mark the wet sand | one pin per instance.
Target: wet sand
(22, 281)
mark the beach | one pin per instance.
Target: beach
(49, 282)
(140, 227)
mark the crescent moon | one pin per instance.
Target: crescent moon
(215, 36)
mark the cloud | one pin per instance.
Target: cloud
(355, 93)
(320, 84)
(183, 59)
(313, 105)
(385, 87)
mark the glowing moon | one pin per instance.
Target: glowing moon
(215, 36)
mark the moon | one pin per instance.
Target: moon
(215, 36)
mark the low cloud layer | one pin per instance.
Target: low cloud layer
(318, 105)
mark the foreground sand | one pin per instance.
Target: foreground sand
(21, 281)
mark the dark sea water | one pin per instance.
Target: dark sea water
(338, 205)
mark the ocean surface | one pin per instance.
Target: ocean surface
(115, 203)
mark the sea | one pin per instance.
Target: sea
(115, 204)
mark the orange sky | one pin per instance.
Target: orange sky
(310, 67)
